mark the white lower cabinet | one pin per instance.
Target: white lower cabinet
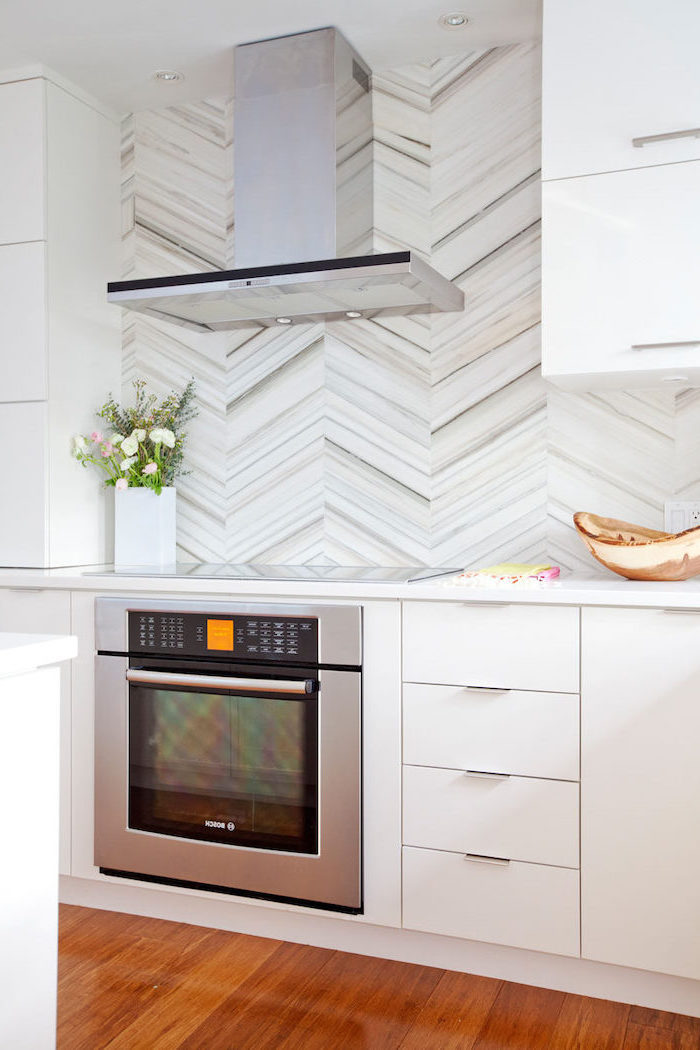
(517, 818)
(491, 644)
(490, 774)
(640, 789)
(532, 906)
(47, 612)
(500, 731)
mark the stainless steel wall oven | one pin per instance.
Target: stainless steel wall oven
(228, 747)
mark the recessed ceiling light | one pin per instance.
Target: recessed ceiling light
(353, 313)
(454, 20)
(167, 74)
(284, 320)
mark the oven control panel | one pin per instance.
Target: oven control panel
(265, 638)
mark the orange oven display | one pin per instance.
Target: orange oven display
(220, 635)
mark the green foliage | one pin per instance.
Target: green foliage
(146, 414)
(152, 432)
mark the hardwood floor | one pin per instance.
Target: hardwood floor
(130, 983)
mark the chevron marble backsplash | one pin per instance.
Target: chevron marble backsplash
(400, 441)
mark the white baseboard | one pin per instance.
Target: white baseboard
(353, 934)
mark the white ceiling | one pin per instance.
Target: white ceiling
(110, 49)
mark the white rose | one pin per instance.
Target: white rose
(130, 445)
(138, 434)
(127, 463)
(79, 442)
(117, 439)
(161, 436)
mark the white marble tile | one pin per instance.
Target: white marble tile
(611, 453)
(183, 177)
(409, 439)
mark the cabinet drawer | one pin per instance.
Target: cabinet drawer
(522, 905)
(518, 818)
(526, 734)
(514, 646)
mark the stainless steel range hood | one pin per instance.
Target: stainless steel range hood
(303, 204)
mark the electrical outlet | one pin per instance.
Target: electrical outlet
(681, 514)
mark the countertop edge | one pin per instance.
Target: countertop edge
(594, 590)
(20, 653)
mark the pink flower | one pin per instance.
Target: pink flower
(107, 449)
(150, 468)
(96, 436)
(121, 484)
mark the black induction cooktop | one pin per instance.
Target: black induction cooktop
(309, 573)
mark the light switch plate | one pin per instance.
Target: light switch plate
(681, 514)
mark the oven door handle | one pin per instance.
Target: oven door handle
(258, 685)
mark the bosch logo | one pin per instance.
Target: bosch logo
(214, 824)
(230, 826)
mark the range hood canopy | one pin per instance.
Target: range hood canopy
(303, 191)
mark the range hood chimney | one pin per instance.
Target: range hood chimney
(303, 204)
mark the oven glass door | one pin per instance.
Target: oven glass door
(223, 757)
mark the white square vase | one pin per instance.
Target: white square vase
(144, 527)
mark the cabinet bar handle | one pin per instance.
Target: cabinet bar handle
(488, 605)
(661, 346)
(481, 858)
(688, 133)
(488, 690)
(486, 776)
(682, 612)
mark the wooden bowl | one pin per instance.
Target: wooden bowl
(638, 553)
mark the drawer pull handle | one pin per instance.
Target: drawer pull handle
(487, 690)
(688, 133)
(681, 612)
(486, 776)
(480, 858)
(663, 346)
(488, 605)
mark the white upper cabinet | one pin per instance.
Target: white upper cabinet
(23, 532)
(23, 325)
(620, 278)
(616, 72)
(23, 143)
(60, 341)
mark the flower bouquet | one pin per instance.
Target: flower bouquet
(145, 446)
(141, 457)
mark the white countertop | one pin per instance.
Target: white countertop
(603, 588)
(26, 652)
